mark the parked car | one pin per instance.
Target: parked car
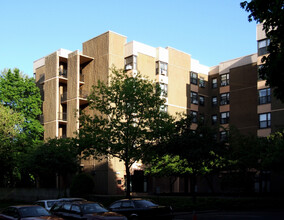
(141, 209)
(86, 210)
(71, 199)
(47, 204)
(26, 212)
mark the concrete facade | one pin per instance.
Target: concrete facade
(226, 94)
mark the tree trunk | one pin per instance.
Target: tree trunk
(192, 180)
(127, 179)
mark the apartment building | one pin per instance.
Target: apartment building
(227, 94)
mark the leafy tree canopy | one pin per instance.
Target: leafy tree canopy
(271, 14)
(20, 94)
(127, 118)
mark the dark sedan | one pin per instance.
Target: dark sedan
(141, 209)
(86, 210)
(26, 212)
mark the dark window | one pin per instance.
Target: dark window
(262, 46)
(201, 100)
(264, 96)
(115, 205)
(193, 78)
(214, 101)
(164, 108)
(201, 82)
(265, 120)
(194, 98)
(225, 79)
(201, 118)
(224, 117)
(214, 119)
(259, 67)
(130, 63)
(164, 89)
(194, 116)
(225, 99)
(223, 136)
(214, 83)
(162, 68)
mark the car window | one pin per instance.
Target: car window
(115, 205)
(50, 203)
(66, 206)
(93, 208)
(33, 211)
(56, 206)
(75, 209)
(127, 204)
(144, 203)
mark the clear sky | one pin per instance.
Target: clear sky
(212, 31)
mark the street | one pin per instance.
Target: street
(235, 215)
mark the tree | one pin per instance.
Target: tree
(21, 94)
(128, 118)
(10, 127)
(56, 157)
(198, 150)
(271, 14)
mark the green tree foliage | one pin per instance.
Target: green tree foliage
(128, 119)
(54, 157)
(273, 153)
(271, 14)
(21, 94)
(10, 127)
(198, 152)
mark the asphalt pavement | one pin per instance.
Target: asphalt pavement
(232, 215)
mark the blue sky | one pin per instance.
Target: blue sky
(211, 31)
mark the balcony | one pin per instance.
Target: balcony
(62, 117)
(62, 75)
(63, 97)
(83, 95)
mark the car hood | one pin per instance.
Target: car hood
(43, 218)
(106, 215)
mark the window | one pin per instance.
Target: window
(201, 82)
(164, 108)
(223, 136)
(214, 119)
(162, 68)
(265, 120)
(130, 63)
(224, 117)
(201, 118)
(214, 101)
(264, 96)
(214, 83)
(194, 98)
(164, 89)
(201, 100)
(259, 77)
(193, 78)
(224, 79)
(225, 99)
(194, 116)
(262, 46)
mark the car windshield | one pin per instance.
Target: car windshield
(50, 204)
(144, 203)
(92, 208)
(33, 211)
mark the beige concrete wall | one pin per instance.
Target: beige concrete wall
(178, 75)
(73, 93)
(116, 50)
(51, 96)
(146, 65)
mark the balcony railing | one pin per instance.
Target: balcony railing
(62, 116)
(63, 73)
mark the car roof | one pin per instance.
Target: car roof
(22, 206)
(131, 199)
(46, 200)
(81, 202)
(71, 199)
